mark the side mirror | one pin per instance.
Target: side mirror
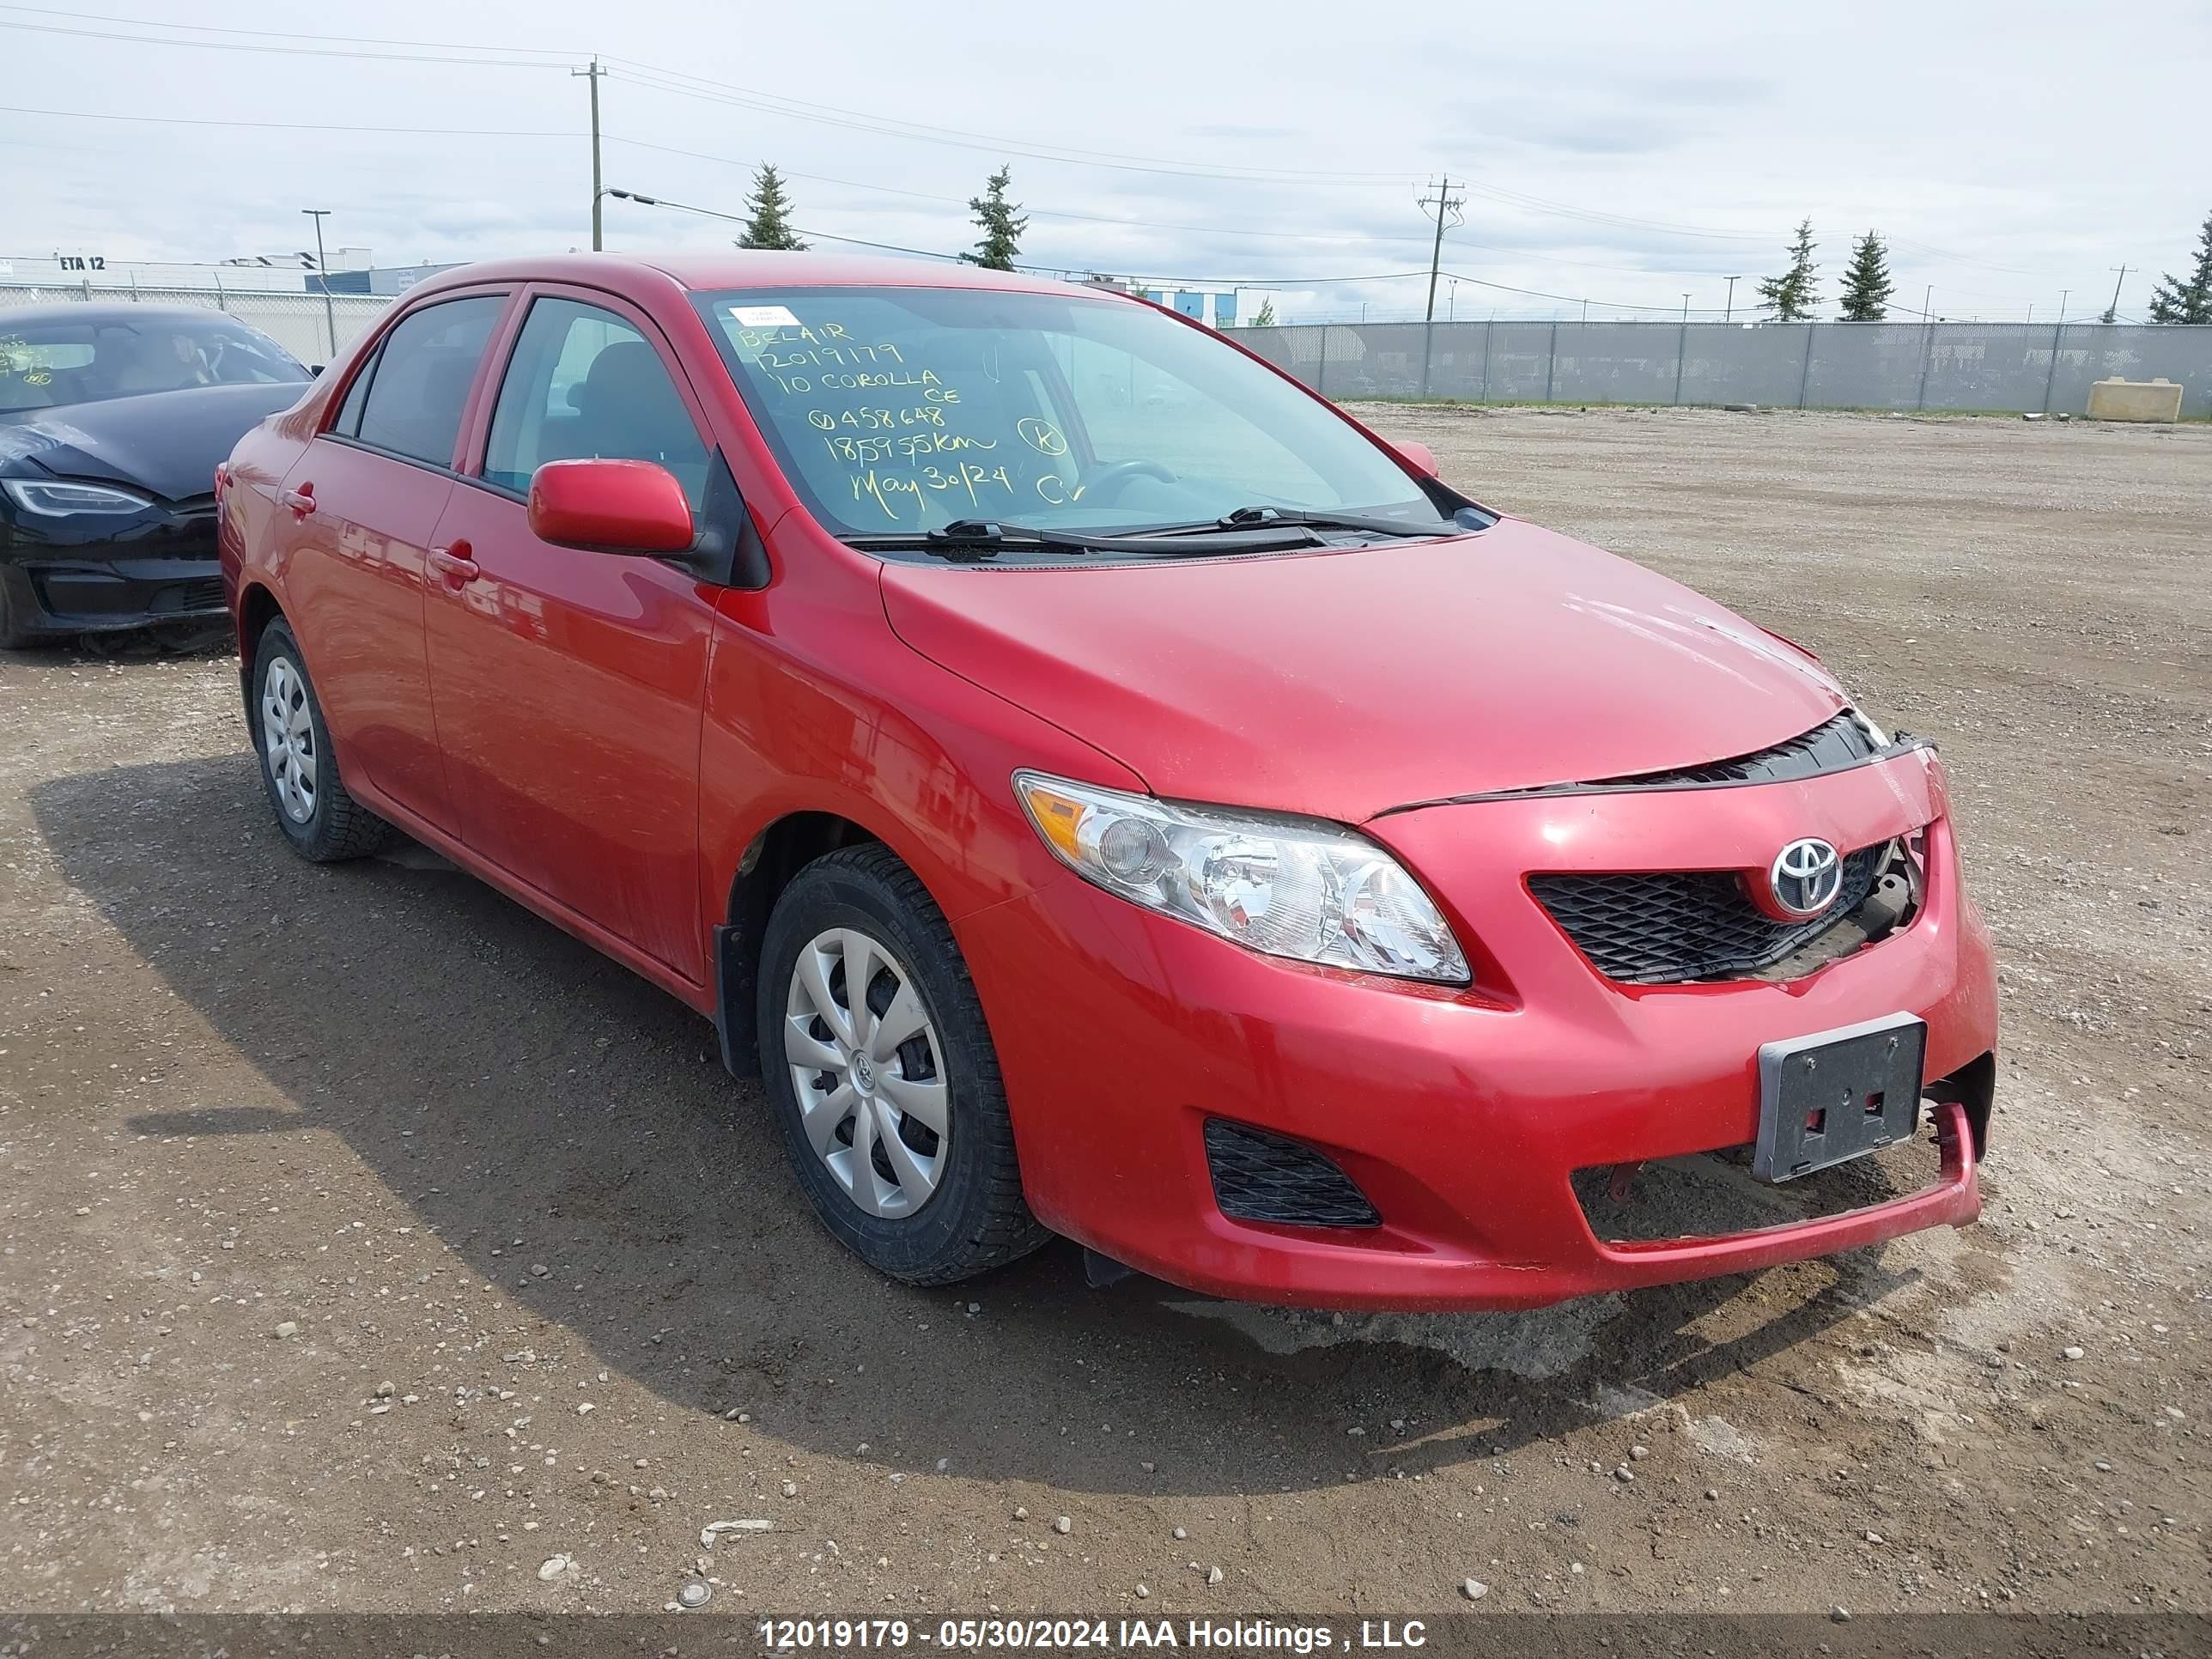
(611, 507)
(1419, 456)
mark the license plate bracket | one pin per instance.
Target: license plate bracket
(1831, 1096)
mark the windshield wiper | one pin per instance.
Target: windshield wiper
(985, 538)
(1246, 518)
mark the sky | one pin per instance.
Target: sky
(1627, 154)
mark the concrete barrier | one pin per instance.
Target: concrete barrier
(2135, 400)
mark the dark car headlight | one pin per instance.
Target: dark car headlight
(56, 499)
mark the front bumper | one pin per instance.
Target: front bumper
(81, 576)
(1463, 1113)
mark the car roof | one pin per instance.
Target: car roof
(748, 269)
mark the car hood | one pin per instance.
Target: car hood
(1343, 684)
(165, 442)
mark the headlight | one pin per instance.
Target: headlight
(56, 500)
(1284, 887)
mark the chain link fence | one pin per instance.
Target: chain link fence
(296, 321)
(1988, 367)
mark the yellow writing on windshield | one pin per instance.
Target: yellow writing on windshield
(969, 481)
(919, 425)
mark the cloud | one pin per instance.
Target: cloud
(1599, 153)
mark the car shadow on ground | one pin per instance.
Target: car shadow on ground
(509, 1083)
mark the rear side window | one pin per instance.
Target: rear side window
(583, 382)
(348, 420)
(422, 378)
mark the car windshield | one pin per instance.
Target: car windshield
(898, 410)
(53, 362)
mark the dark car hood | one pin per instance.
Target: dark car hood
(1343, 684)
(165, 442)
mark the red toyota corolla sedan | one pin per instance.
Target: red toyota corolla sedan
(1100, 787)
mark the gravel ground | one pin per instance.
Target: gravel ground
(369, 1245)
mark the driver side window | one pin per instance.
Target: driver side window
(582, 382)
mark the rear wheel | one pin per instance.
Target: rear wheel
(883, 1076)
(323, 823)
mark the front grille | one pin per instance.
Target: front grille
(1260, 1176)
(1834, 744)
(1666, 926)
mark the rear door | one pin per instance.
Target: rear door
(355, 518)
(570, 684)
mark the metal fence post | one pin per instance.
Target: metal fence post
(2052, 373)
(1927, 357)
(1320, 369)
(1681, 350)
(1552, 363)
(1488, 324)
(1805, 369)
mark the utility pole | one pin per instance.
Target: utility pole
(1927, 298)
(2112, 310)
(1728, 314)
(1443, 201)
(323, 275)
(593, 74)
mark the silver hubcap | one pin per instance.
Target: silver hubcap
(868, 1071)
(288, 737)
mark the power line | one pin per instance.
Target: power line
(282, 126)
(958, 138)
(682, 83)
(1030, 208)
(294, 52)
(279, 34)
(1269, 282)
(1567, 299)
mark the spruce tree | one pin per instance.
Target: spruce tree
(1001, 224)
(1867, 287)
(1790, 296)
(1266, 317)
(770, 224)
(2177, 300)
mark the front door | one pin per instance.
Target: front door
(355, 517)
(569, 685)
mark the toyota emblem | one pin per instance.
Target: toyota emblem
(1805, 876)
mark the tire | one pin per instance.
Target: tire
(953, 1206)
(298, 769)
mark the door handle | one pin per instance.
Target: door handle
(300, 500)
(453, 564)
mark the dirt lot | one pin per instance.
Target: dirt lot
(370, 1245)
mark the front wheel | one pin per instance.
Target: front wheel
(323, 823)
(881, 1075)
